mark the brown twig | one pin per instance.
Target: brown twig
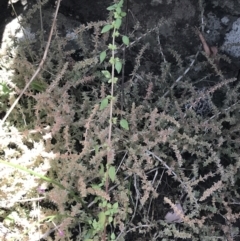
(211, 51)
(204, 43)
(39, 67)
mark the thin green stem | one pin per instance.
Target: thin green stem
(47, 179)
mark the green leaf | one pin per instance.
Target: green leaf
(112, 173)
(102, 56)
(124, 124)
(118, 66)
(118, 10)
(114, 80)
(125, 40)
(101, 171)
(106, 74)
(112, 46)
(116, 34)
(115, 205)
(95, 186)
(101, 219)
(110, 219)
(106, 28)
(104, 204)
(110, 8)
(111, 60)
(107, 212)
(39, 86)
(118, 23)
(95, 224)
(104, 103)
(113, 237)
(96, 148)
(120, 4)
(4, 90)
(123, 14)
(116, 15)
(114, 120)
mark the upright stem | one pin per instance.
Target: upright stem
(110, 126)
(111, 111)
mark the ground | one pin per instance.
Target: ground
(216, 19)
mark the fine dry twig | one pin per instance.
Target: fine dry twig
(211, 51)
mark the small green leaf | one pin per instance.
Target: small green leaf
(96, 148)
(118, 10)
(125, 40)
(95, 187)
(118, 66)
(110, 8)
(102, 56)
(124, 124)
(106, 28)
(116, 34)
(106, 74)
(104, 204)
(110, 219)
(90, 221)
(115, 205)
(114, 120)
(120, 4)
(107, 212)
(114, 80)
(101, 219)
(111, 60)
(101, 171)
(113, 237)
(118, 23)
(104, 103)
(112, 46)
(4, 90)
(95, 224)
(39, 86)
(112, 173)
(123, 14)
(116, 16)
